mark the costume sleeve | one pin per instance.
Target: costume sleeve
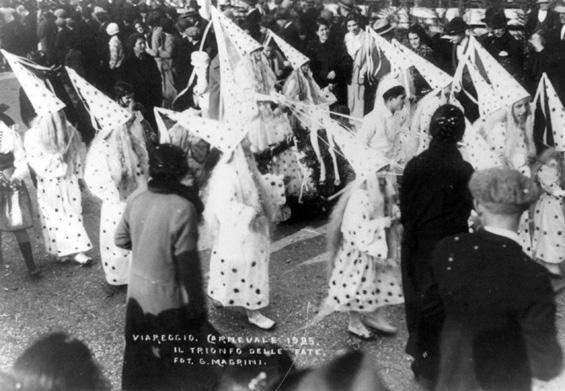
(366, 234)
(549, 181)
(122, 236)
(20, 161)
(537, 321)
(47, 165)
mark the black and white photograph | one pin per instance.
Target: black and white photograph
(282, 195)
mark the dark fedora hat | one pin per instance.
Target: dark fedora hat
(498, 21)
(455, 26)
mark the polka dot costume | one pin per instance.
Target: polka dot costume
(548, 238)
(97, 175)
(358, 281)
(239, 263)
(58, 198)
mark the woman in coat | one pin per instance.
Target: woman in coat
(141, 72)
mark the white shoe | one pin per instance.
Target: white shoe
(258, 319)
(82, 258)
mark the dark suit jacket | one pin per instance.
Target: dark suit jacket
(499, 329)
(290, 34)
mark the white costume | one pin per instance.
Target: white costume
(58, 196)
(239, 264)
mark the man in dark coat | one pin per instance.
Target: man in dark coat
(499, 330)
(434, 203)
(541, 17)
(504, 47)
(287, 29)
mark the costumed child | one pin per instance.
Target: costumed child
(548, 239)
(116, 165)
(240, 215)
(15, 213)
(364, 250)
(55, 152)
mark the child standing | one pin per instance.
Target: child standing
(549, 219)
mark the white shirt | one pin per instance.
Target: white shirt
(542, 14)
(562, 32)
(503, 232)
(376, 127)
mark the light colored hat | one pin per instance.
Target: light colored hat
(503, 191)
(43, 100)
(222, 135)
(243, 42)
(382, 26)
(560, 7)
(552, 109)
(387, 83)
(106, 114)
(112, 29)
(296, 58)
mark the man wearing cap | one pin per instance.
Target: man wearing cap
(504, 47)
(499, 330)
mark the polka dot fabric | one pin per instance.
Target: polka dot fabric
(361, 280)
(244, 43)
(42, 99)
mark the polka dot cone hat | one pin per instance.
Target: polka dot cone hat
(556, 114)
(237, 105)
(108, 115)
(222, 135)
(295, 57)
(43, 100)
(506, 88)
(489, 102)
(243, 42)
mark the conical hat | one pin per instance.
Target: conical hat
(556, 111)
(43, 100)
(398, 62)
(486, 95)
(434, 76)
(243, 42)
(107, 114)
(234, 100)
(222, 135)
(296, 58)
(504, 84)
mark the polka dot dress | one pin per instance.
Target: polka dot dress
(97, 175)
(358, 281)
(59, 200)
(549, 219)
(239, 263)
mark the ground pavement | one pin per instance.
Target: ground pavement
(72, 298)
